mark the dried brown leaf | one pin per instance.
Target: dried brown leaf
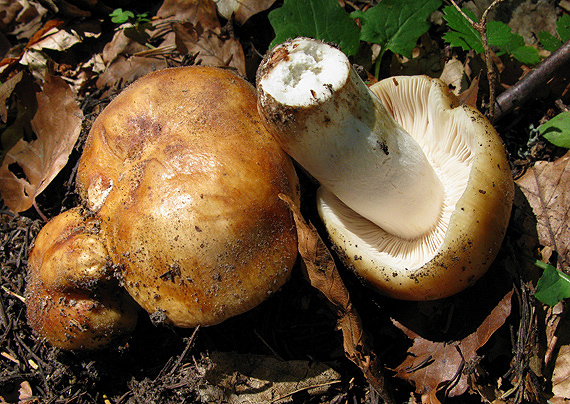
(10, 10)
(50, 27)
(561, 376)
(194, 11)
(244, 378)
(22, 18)
(323, 275)
(198, 30)
(60, 37)
(25, 393)
(6, 89)
(121, 67)
(181, 28)
(558, 336)
(453, 75)
(469, 96)
(24, 107)
(435, 366)
(210, 48)
(57, 124)
(545, 186)
(242, 9)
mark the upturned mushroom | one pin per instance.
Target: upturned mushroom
(416, 190)
(184, 182)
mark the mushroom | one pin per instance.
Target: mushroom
(181, 184)
(416, 189)
(185, 180)
(72, 299)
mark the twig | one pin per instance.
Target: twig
(314, 386)
(525, 335)
(14, 294)
(518, 93)
(39, 211)
(189, 344)
(481, 27)
(172, 365)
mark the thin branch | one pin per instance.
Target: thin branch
(314, 386)
(481, 27)
(518, 93)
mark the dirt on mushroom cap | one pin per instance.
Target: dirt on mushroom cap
(186, 181)
(72, 299)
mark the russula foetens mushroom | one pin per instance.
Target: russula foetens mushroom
(72, 298)
(184, 181)
(416, 190)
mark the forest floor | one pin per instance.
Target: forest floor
(493, 343)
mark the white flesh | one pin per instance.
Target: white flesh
(362, 155)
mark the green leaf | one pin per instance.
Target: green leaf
(396, 24)
(563, 27)
(118, 16)
(557, 130)
(319, 19)
(499, 34)
(553, 286)
(526, 55)
(461, 34)
(549, 41)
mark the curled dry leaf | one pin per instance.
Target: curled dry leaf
(23, 395)
(545, 186)
(6, 89)
(21, 106)
(435, 366)
(255, 379)
(469, 96)
(453, 75)
(57, 36)
(29, 167)
(241, 10)
(323, 275)
(20, 18)
(121, 65)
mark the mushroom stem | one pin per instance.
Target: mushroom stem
(325, 117)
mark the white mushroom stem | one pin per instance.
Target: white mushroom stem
(325, 117)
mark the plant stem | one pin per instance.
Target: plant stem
(379, 62)
(481, 27)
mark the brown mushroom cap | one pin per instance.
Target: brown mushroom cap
(186, 180)
(72, 299)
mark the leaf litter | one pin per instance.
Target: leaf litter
(56, 124)
(433, 367)
(545, 186)
(166, 365)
